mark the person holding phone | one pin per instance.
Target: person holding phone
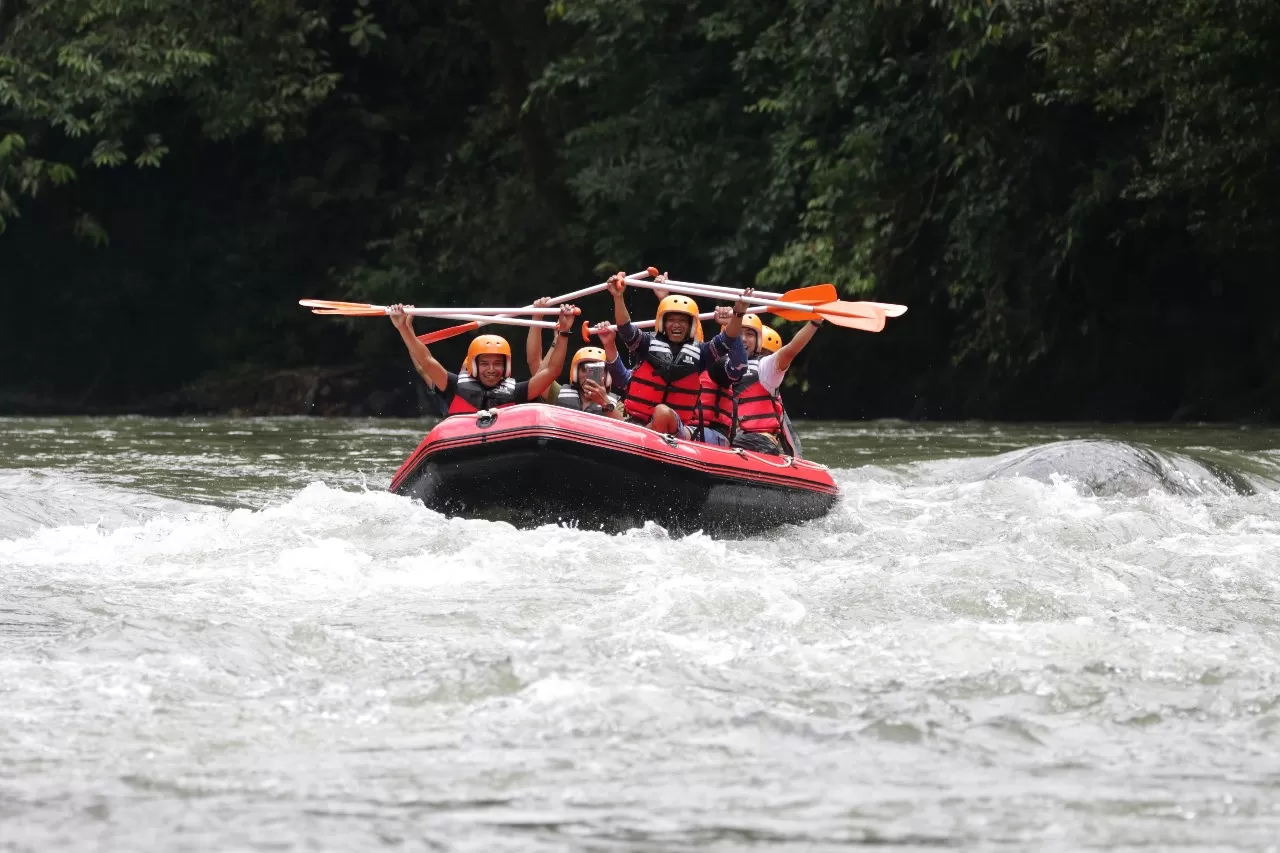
(588, 388)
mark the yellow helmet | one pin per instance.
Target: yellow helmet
(584, 354)
(770, 340)
(488, 345)
(677, 304)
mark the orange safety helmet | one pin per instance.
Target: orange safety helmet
(770, 341)
(488, 345)
(752, 321)
(677, 304)
(585, 354)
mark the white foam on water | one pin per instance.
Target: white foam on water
(936, 662)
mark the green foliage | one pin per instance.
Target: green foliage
(1063, 192)
(98, 74)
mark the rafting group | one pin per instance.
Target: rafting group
(725, 391)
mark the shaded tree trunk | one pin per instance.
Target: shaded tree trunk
(501, 21)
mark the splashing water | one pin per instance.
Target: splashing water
(223, 634)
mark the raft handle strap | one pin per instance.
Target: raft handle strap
(486, 417)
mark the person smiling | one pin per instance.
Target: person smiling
(582, 393)
(663, 389)
(486, 381)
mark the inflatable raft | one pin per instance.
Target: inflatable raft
(536, 464)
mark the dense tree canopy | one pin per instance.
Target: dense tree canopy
(1078, 200)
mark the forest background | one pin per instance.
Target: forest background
(1079, 201)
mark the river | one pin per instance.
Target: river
(221, 634)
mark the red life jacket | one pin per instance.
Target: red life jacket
(665, 378)
(471, 396)
(715, 405)
(754, 408)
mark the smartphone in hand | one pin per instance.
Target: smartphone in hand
(593, 370)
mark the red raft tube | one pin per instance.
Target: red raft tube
(536, 464)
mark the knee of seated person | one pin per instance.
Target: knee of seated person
(664, 419)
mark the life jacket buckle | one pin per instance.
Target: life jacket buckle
(486, 417)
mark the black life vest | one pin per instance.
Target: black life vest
(571, 399)
(470, 396)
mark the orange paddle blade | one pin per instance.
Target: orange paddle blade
(819, 294)
(451, 332)
(835, 313)
(864, 310)
(865, 324)
(814, 295)
(329, 303)
(890, 309)
(349, 312)
(791, 314)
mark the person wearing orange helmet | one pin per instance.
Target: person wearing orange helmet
(759, 422)
(771, 341)
(589, 394)
(662, 392)
(583, 392)
(713, 415)
(485, 382)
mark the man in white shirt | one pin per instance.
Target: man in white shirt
(757, 410)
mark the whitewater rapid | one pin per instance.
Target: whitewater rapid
(236, 645)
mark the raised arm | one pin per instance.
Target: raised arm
(728, 344)
(551, 366)
(533, 343)
(618, 287)
(423, 361)
(792, 348)
(618, 371)
(739, 311)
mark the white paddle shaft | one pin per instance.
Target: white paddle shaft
(649, 324)
(453, 312)
(485, 319)
(692, 290)
(568, 297)
(889, 308)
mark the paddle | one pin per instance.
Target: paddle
(814, 294)
(444, 334)
(643, 324)
(360, 309)
(475, 318)
(890, 309)
(869, 319)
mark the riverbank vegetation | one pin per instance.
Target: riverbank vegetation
(1079, 201)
